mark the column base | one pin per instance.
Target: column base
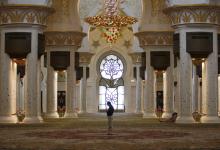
(166, 115)
(149, 115)
(71, 115)
(52, 115)
(8, 119)
(139, 112)
(185, 120)
(33, 120)
(210, 119)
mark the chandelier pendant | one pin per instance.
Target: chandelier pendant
(110, 21)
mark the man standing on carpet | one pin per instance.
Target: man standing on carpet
(110, 112)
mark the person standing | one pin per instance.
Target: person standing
(110, 112)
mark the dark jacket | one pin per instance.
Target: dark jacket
(110, 111)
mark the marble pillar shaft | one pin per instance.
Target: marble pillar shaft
(32, 99)
(168, 93)
(177, 89)
(195, 93)
(210, 84)
(185, 78)
(51, 90)
(149, 93)
(8, 72)
(138, 89)
(71, 88)
(83, 90)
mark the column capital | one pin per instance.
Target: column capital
(136, 58)
(24, 14)
(85, 58)
(64, 38)
(193, 14)
(155, 38)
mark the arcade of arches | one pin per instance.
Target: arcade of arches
(53, 64)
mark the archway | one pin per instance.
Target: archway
(111, 83)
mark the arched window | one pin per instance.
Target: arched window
(111, 85)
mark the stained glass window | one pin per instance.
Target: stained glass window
(111, 85)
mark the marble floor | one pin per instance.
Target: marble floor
(89, 133)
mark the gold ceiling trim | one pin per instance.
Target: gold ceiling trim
(24, 14)
(189, 14)
(151, 38)
(66, 38)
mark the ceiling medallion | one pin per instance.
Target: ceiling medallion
(110, 20)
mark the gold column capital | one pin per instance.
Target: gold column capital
(136, 58)
(64, 38)
(193, 14)
(85, 57)
(155, 38)
(24, 14)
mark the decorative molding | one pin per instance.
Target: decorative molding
(95, 44)
(136, 58)
(85, 57)
(127, 44)
(24, 14)
(193, 14)
(157, 6)
(67, 38)
(153, 38)
(65, 4)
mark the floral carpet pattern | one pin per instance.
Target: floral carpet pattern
(101, 134)
(91, 134)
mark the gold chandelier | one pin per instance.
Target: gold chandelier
(110, 20)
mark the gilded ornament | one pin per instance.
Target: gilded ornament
(56, 38)
(30, 18)
(150, 38)
(136, 58)
(186, 17)
(24, 14)
(111, 21)
(157, 6)
(65, 7)
(85, 57)
(193, 14)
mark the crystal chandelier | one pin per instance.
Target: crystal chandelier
(110, 20)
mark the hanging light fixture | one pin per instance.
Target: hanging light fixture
(110, 21)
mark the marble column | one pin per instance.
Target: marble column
(168, 93)
(71, 88)
(185, 77)
(83, 90)
(200, 95)
(138, 89)
(195, 106)
(177, 89)
(51, 90)
(20, 93)
(149, 93)
(7, 99)
(32, 99)
(210, 103)
(218, 95)
(204, 86)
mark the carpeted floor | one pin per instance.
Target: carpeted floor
(91, 134)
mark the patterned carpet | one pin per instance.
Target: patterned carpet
(102, 134)
(91, 134)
